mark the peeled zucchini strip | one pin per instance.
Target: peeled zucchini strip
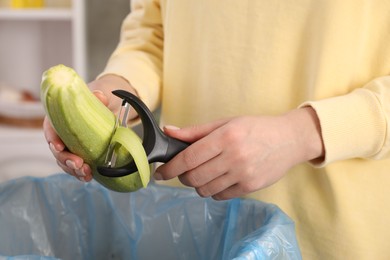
(130, 141)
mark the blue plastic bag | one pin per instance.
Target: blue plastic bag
(59, 217)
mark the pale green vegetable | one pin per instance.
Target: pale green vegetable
(86, 126)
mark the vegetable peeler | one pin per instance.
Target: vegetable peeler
(158, 146)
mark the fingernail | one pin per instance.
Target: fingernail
(96, 91)
(71, 164)
(216, 197)
(172, 127)
(158, 176)
(82, 179)
(80, 172)
(53, 148)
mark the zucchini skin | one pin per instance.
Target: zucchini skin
(84, 124)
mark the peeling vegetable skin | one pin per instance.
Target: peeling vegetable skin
(132, 143)
(86, 126)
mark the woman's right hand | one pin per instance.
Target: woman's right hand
(69, 162)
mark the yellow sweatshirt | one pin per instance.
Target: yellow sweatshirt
(208, 59)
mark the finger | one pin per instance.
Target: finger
(66, 169)
(190, 158)
(72, 161)
(231, 192)
(113, 103)
(204, 173)
(51, 136)
(101, 96)
(83, 174)
(193, 133)
(216, 186)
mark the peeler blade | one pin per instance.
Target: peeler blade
(158, 146)
(110, 160)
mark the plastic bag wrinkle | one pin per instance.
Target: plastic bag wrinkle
(60, 218)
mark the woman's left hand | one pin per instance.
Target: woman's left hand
(237, 156)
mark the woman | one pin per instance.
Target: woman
(286, 102)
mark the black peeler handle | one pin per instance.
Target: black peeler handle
(158, 146)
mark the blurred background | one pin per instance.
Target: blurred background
(35, 35)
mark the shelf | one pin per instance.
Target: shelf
(24, 152)
(31, 41)
(8, 133)
(41, 14)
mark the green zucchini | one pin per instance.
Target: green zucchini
(86, 126)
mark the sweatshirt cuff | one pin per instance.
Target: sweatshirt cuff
(351, 126)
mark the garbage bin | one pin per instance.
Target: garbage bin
(58, 217)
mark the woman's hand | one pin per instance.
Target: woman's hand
(234, 157)
(103, 87)
(71, 163)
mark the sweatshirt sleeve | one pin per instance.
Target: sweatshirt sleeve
(138, 56)
(356, 125)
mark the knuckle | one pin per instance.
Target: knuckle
(183, 179)
(232, 135)
(203, 191)
(190, 159)
(220, 196)
(241, 156)
(248, 181)
(190, 179)
(248, 187)
(193, 179)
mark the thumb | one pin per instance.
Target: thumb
(100, 95)
(192, 133)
